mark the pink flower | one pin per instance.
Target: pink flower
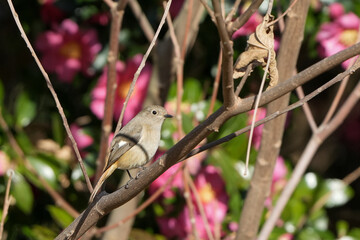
(339, 34)
(68, 50)
(101, 18)
(82, 139)
(286, 236)
(249, 27)
(211, 191)
(124, 77)
(261, 113)
(278, 179)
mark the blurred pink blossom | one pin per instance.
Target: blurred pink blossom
(340, 33)
(68, 50)
(211, 190)
(286, 236)
(278, 180)
(249, 27)
(82, 139)
(261, 113)
(102, 18)
(124, 77)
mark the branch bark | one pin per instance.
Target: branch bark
(273, 131)
(105, 202)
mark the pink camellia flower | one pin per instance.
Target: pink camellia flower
(68, 50)
(261, 113)
(339, 34)
(249, 27)
(82, 139)
(278, 180)
(211, 191)
(124, 77)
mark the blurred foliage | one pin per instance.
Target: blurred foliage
(31, 114)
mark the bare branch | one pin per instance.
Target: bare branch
(143, 21)
(104, 202)
(228, 52)
(53, 93)
(7, 200)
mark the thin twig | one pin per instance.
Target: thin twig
(179, 62)
(243, 79)
(109, 3)
(209, 10)
(311, 148)
(232, 11)
(7, 200)
(258, 97)
(142, 64)
(268, 118)
(216, 84)
(187, 28)
(142, 19)
(189, 203)
(307, 110)
(282, 15)
(117, 14)
(51, 88)
(200, 207)
(55, 195)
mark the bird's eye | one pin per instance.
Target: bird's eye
(154, 112)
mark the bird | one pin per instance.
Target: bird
(135, 144)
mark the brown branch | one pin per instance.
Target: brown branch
(117, 14)
(273, 131)
(243, 18)
(227, 58)
(53, 93)
(7, 200)
(233, 10)
(143, 21)
(142, 64)
(209, 10)
(104, 202)
(276, 114)
(216, 84)
(310, 150)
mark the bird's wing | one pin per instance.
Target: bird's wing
(121, 143)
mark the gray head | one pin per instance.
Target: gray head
(154, 113)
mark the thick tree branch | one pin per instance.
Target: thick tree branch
(273, 131)
(104, 203)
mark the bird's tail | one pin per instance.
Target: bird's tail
(102, 179)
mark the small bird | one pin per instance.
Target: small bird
(135, 144)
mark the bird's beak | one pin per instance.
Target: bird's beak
(168, 116)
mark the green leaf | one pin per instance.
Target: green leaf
(192, 90)
(46, 169)
(60, 216)
(25, 110)
(342, 228)
(57, 128)
(37, 232)
(21, 191)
